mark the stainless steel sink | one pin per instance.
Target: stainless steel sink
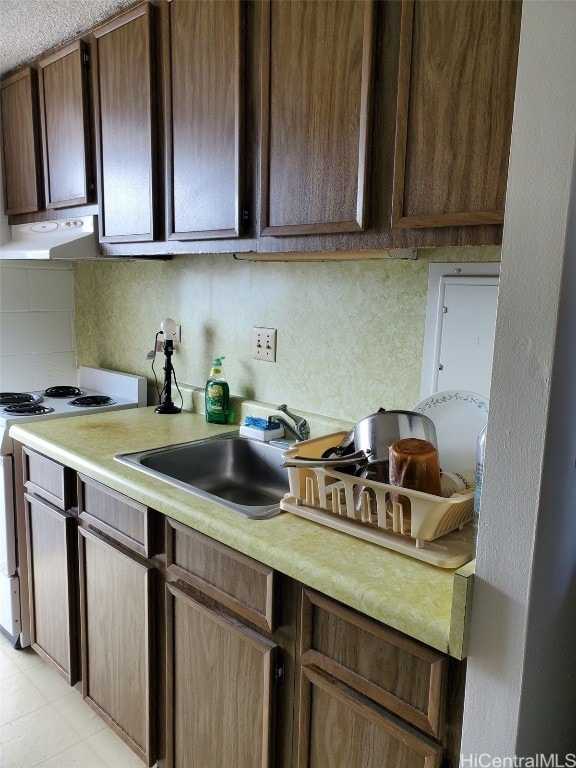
(243, 475)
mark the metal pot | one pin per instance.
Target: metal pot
(366, 445)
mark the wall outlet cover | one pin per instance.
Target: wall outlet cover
(264, 344)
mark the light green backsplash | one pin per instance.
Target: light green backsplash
(350, 333)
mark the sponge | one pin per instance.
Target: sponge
(262, 429)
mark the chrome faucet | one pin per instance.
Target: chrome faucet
(300, 430)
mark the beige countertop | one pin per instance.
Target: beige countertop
(428, 603)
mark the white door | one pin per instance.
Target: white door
(466, 343)
(460, 326)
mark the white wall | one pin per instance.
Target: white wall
(37, 340)
(520, 689)
(550, 667)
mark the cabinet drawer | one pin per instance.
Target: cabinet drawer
(241, 584)
(48, 479)
(401, 674)
(122, 519)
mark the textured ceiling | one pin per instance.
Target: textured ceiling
(30, 27)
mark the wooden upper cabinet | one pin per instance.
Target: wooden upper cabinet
(124, 96)
(21, 145)
(316, 67)
(64, 119)
(203, 106)
(456, 87)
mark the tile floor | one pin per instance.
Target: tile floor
(45, 724)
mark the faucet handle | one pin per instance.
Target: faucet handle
(284, 409)
(301, 423)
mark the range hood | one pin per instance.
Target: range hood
(69, 239)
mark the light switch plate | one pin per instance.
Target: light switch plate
(264, 344)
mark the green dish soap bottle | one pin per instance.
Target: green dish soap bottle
(217, 394)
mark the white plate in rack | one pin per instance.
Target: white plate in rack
(458, 416)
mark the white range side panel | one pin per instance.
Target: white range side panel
(7, 517)
(10, 604)
(9, 582)
(460, 327)
(123, 386)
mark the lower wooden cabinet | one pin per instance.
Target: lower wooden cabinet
(48, 479)
(238, 583)
(117, 611)
(340, 728)
(220, 688)
(402, 675)
(230, 648)
(51, 543)
(201, 657)
(368, 696)
(119, 518)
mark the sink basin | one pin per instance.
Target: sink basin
(243, 475)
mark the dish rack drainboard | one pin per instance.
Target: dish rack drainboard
(429, 528)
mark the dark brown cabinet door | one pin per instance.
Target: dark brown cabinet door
(204, 102)
(316, 72)
(117, 609)
(124, 94)
(220, 690)
(340, 728)
(51, 542)
(456, 89)
(65, 126)
(21, 145)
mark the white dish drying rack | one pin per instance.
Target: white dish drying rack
(430, 528)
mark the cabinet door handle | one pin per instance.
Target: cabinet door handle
(279, 671)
